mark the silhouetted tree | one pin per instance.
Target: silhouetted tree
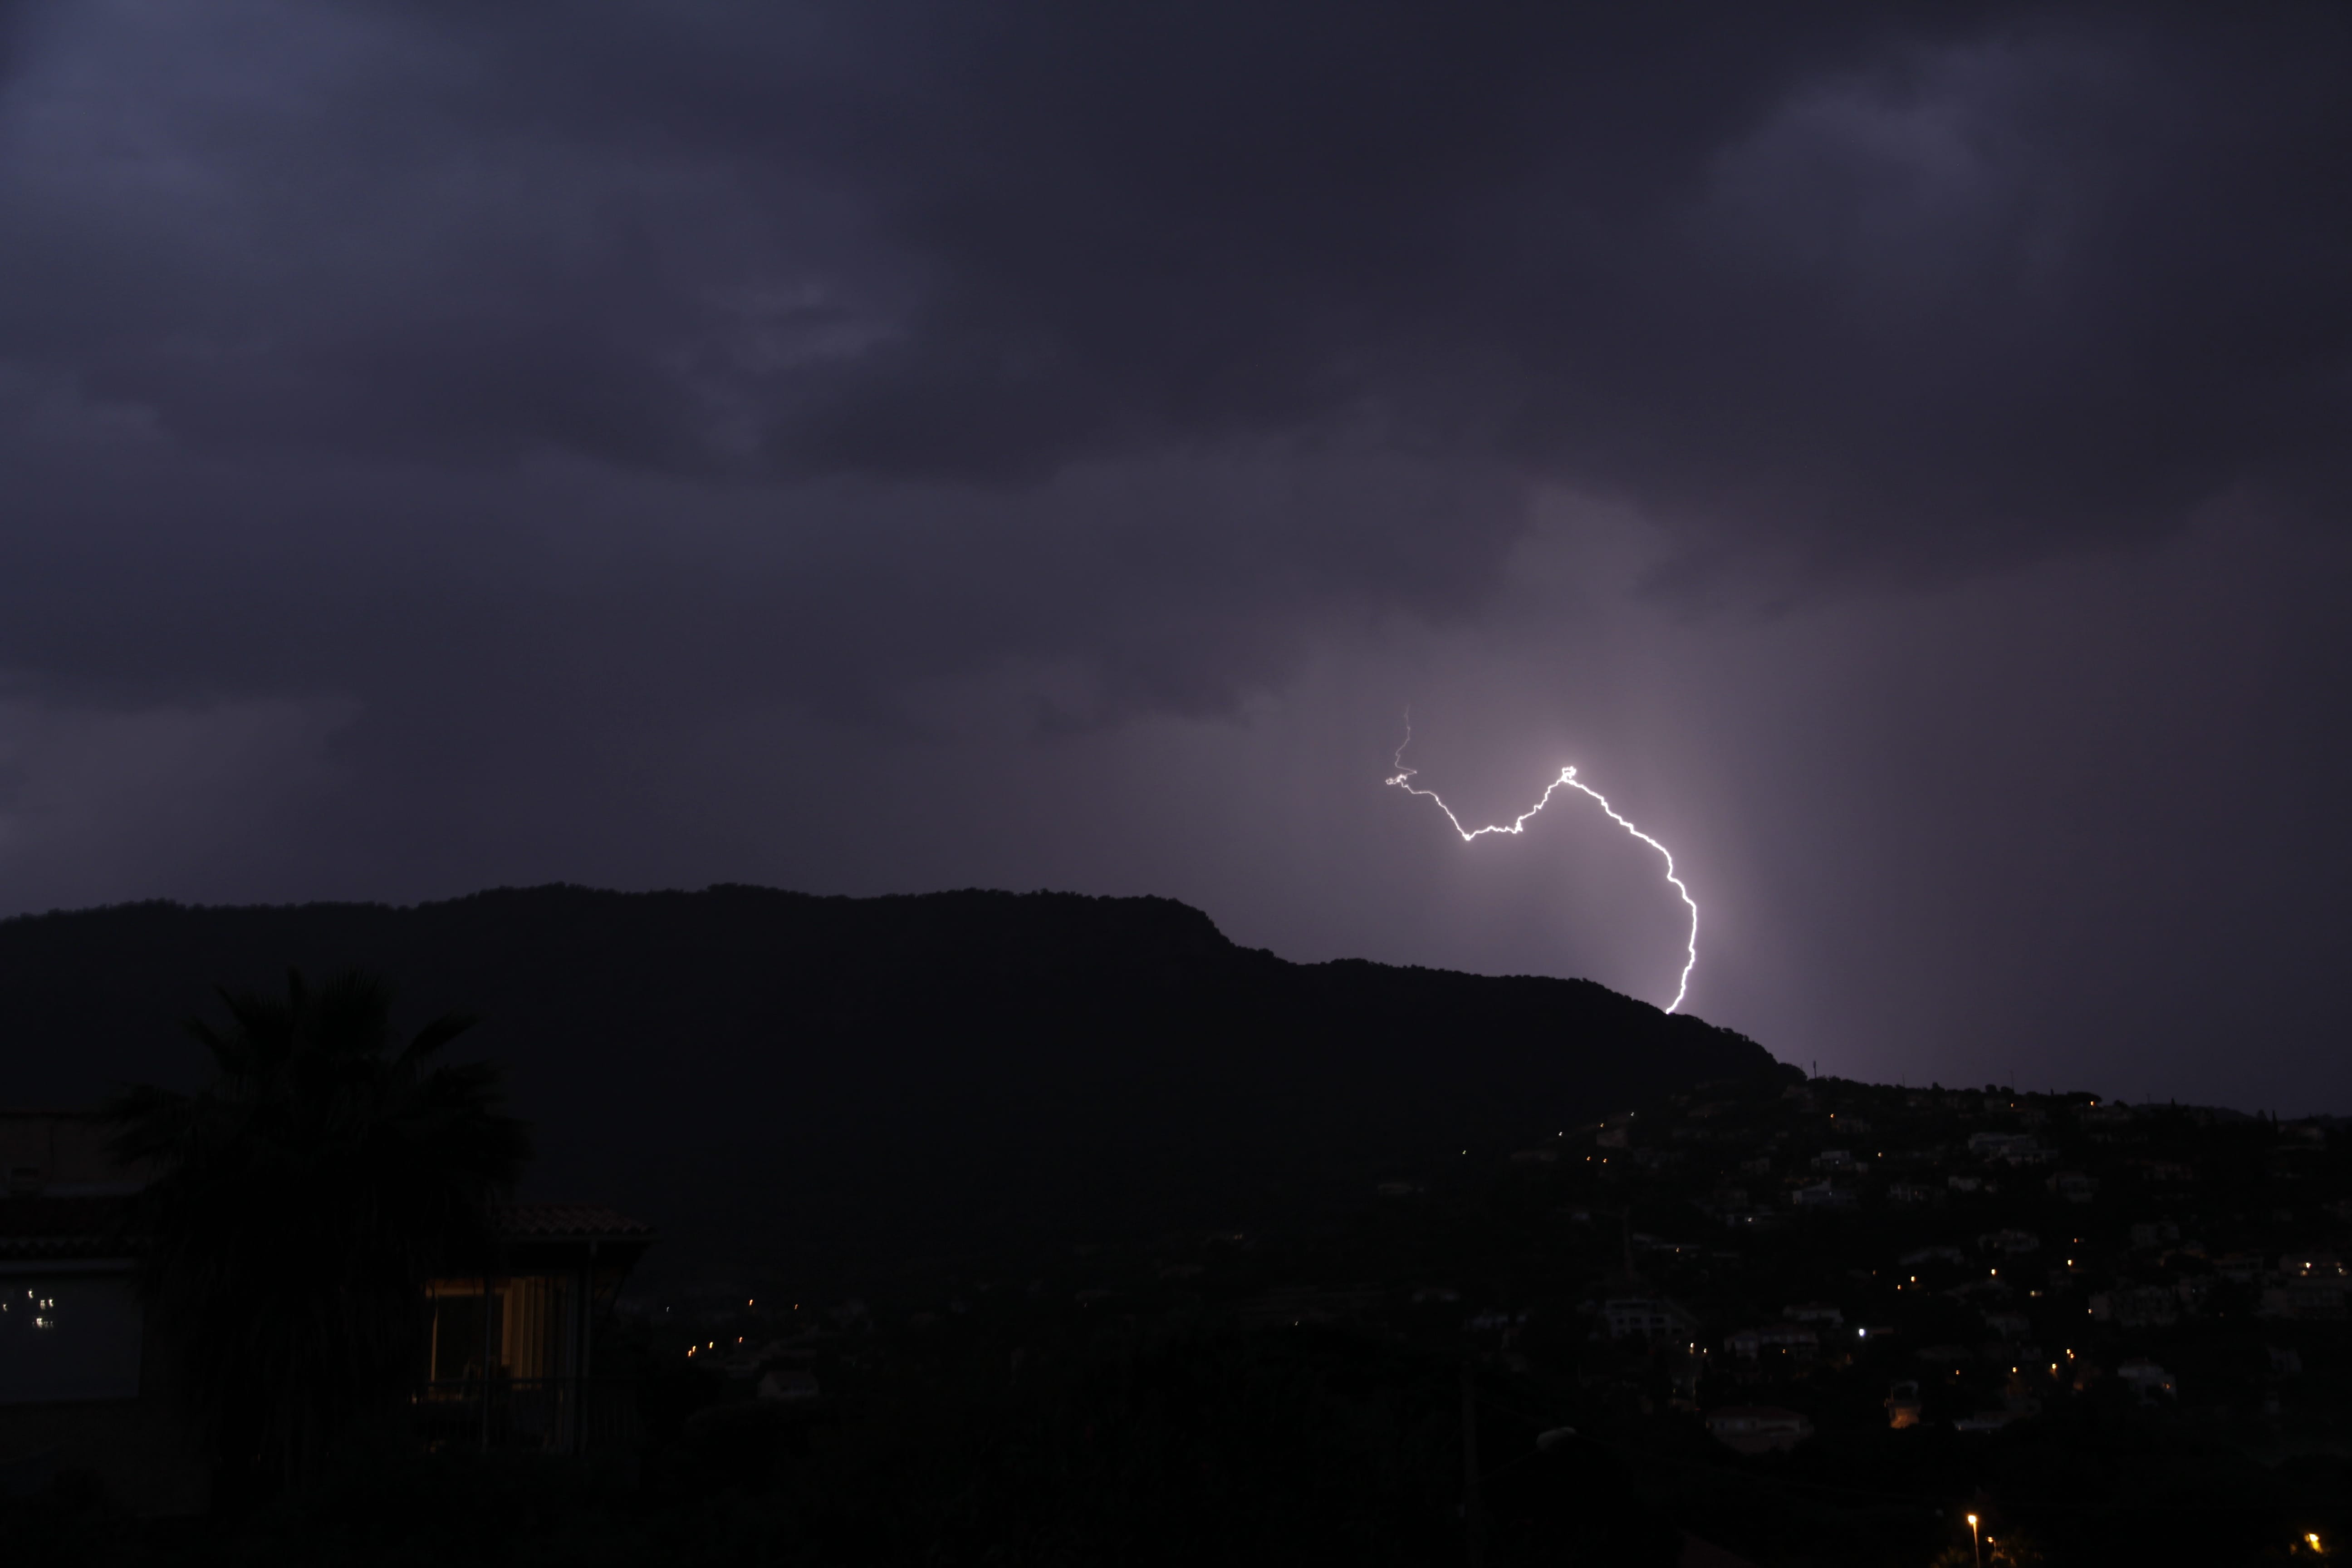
(305, 1194)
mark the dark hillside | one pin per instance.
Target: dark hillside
(769, 1074)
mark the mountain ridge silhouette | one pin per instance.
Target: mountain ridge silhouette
(839, 1084)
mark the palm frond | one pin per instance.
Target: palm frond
(437, 1034)
(306, 1195)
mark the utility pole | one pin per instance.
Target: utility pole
(1471, 1521)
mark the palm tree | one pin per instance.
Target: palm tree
(306, 1195)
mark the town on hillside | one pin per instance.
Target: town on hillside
(1842, 1309)
(1766, 1320)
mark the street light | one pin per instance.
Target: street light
(1976, 1541)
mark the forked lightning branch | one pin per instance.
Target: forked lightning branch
(1567, 780)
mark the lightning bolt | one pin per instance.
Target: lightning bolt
(1568, 780)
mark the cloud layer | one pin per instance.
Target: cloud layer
(532, 441)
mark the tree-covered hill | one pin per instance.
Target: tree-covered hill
(768, 1075)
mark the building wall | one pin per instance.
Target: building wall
(146, 1451)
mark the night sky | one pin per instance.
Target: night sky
(1901, 455)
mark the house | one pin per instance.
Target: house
(1951, 1361)
(2009, 1148)
(1992, 1288)
(789, 1384)
(1903, 1405)
(1985, 1421)
(1291, 1305)
(1645, 1317)
(530, 1313)
(2009, 1241)
(2308, 1285)
(2075, 1186)
(1758, 1428)
(2136, 1306)
(2146, 1378)
(1814, 1312)
(1824, 1196)
(1918, 1255)
(1775, 1345)
(87, 1383)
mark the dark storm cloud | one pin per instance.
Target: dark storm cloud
(1874, 287)
(657, 443)
(1858, 281)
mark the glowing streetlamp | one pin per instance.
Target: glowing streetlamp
(1976, 1541)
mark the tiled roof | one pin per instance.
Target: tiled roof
(33, 1226)
(38, 1226)
(565, 1222)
